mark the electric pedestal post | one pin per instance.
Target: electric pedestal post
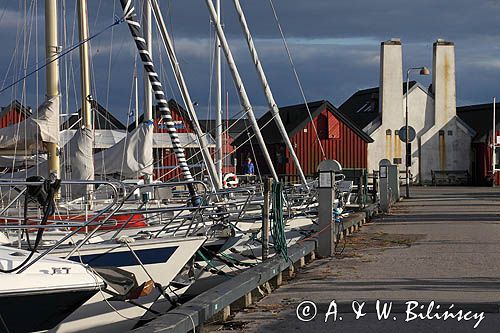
(326, 189)
(384, 190)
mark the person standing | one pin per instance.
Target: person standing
(248, 168)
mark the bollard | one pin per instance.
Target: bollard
(326, 197)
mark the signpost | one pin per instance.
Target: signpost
(411, 131)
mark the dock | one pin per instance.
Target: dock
(440, 245)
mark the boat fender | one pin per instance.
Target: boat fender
(230, 180)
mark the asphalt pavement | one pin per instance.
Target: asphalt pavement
(433, 264)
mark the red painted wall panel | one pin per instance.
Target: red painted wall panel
(349, 148)
(482, 168)
(165, 168)
(13, 116)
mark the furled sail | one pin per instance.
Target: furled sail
(75, 167)
(36, 129)
(130, 157)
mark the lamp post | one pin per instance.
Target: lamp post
(422, 71)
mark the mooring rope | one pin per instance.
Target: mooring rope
(278, 220)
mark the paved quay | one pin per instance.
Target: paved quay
(441, 245)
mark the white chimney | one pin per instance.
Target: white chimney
(443, 82)
(391, 84)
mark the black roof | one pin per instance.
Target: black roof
(207, 125)
(234, 126)
(18, 106)
(479, 117)
(103, 119)
(173, 105)
(295, 118)
(363, 106)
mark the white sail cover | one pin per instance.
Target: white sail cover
(79, 148)
(40, 128)
(131, 156)
(76, 167)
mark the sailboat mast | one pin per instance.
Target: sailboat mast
(83, 28)
(135, 30)
(148, 92)
(202, 141)
(52, 77)
(245, 102)
(136, 95)
(267, 90)
(218, 102)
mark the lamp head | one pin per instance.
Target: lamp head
(425, 71)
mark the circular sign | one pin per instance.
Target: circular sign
(411, 136)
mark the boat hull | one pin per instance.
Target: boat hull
(46, 309)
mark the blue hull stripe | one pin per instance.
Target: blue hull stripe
(126, 258)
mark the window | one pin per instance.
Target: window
(388, 132)
(441, 133)
(450, 132)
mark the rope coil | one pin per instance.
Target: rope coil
(278, 220)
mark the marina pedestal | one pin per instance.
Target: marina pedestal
(326, 188)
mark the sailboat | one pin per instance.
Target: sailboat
(154, 253)
(49, 290)
(157, 260)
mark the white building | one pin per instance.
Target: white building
(443, 141)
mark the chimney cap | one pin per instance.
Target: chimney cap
(441, 41)
(392, 41)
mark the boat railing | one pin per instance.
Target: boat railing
(97, 219)
(215, 206)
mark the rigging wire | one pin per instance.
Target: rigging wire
(243, 112)
(37, 80)
(294, 69)
(253, 152)
(63, 53)
(108, 83)
(129, 113)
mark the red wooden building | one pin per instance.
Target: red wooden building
(480, 119)
(329, 131)
(165, 161)
(13, 113)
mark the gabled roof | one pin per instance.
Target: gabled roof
(172, 105)
(234, 126)
(363, 106)
(103, 119)
(295, 118)
(479, 117)
(15, 104)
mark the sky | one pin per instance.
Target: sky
(334, 45)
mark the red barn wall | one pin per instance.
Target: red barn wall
(482, 169)
(339, 143)
(348, 148)
(13, 116)
(165, 160)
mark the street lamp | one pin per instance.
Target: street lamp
(422, 71)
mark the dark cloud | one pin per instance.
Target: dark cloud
(335, 46)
